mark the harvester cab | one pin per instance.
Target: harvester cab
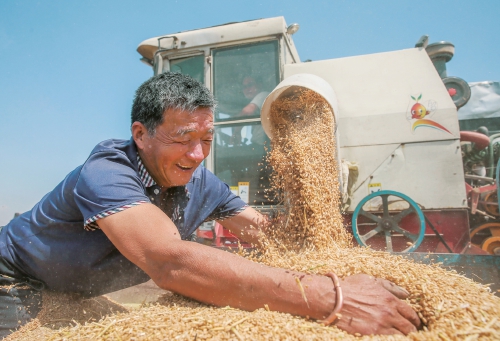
(240, 63)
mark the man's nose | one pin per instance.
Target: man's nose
(196, 151)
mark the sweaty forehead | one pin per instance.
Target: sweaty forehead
(201, 124)
(179, 122)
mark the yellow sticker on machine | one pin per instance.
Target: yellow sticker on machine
(374, 187)
(244, 190)
(374, 203)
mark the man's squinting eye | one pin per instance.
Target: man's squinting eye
(208, 138)
(183, 141)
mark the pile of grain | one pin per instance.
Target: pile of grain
(60, 310)
(452, 306)
(310, 239)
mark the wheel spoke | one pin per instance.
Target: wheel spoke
(385, 205)
(397, 218)
(370, 234)
(388, 240)
(370, 216)
(407, 234)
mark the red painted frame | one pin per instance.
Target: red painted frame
(223, 238)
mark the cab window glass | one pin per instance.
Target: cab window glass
(239, 153)
(242, 75)
(192, 66)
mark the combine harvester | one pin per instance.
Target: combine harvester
(398, 137)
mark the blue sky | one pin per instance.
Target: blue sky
(69, 69)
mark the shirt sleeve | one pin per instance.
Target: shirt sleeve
(108, 184)
(259, 99)
(226, 203)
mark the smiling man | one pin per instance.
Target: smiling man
(126, 214)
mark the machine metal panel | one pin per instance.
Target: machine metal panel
(416, 153)
(376, 93)
(430, 173)
(368, 159)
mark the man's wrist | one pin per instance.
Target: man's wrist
(339, 300)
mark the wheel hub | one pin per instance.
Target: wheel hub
(386, 224)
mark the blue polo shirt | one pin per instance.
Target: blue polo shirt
(59, 243)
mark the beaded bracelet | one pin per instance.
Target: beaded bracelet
(338, 302)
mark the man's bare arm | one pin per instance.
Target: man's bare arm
(249, 109)
(149, 239)
(248, 226)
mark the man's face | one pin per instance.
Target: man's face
(180, 144)
(250, 87)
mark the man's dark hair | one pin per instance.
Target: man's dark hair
(169, 90)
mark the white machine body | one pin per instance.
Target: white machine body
(394, 148)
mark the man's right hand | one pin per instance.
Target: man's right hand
(374, 306)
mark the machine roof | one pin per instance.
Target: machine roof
(215, 34)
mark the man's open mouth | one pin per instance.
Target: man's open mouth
(185, 167)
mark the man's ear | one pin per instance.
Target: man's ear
(139, 133)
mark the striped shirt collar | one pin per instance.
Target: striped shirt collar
(146, 179)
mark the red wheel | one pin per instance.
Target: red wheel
(492, 245)
(490, 204)
(487, 237)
